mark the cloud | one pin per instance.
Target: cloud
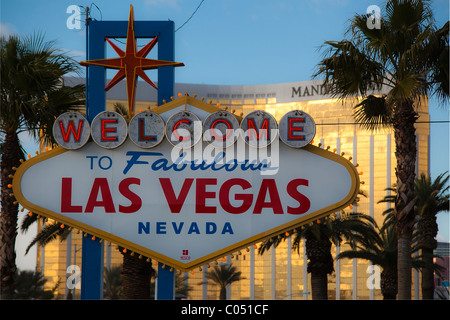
(7, 29)
(76, 54)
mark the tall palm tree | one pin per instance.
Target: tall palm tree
(408, 58)
(429, 197)
(319, 237)
(223, 275)
(432, 198)
(381, 251)
(32, 95)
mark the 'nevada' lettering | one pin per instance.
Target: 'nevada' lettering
(161, 227)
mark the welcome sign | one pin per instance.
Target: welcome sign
(186, 205)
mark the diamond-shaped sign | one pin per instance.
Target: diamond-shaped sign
(185, 207)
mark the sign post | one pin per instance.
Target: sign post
(91, 269)
(92, 252)
(165, 285)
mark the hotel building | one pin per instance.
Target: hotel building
(281, 272)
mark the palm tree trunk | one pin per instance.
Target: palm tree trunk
(405, 141)
(404, 267)
(320, 264)
(223, 293)
(11, 155)
(319, 285)
(388, 283)
(427, 276)
(136, 275)
(428, 230)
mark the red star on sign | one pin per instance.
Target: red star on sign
(130, 63)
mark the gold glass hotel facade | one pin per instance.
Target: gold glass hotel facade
(279, 273)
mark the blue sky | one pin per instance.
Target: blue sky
(229, 42)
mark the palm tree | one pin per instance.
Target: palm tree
(181, 287)
(381, 250)
(319, 237)
(428, 196)
(32, 95)
(408, 58)
(30, 285)
(432, 198)
(112, 283)
(223, 275)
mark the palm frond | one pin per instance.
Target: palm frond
(374, 257)
(374, 41)
(408, 15)
(58, 101)
(34, 93)
(224, 275)
(48, 233)
(348, 71)
(407, 57)
(27, 221)
(354, 227)
(373, 113)
(432, 196)
(439, 60)
(121, 109)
